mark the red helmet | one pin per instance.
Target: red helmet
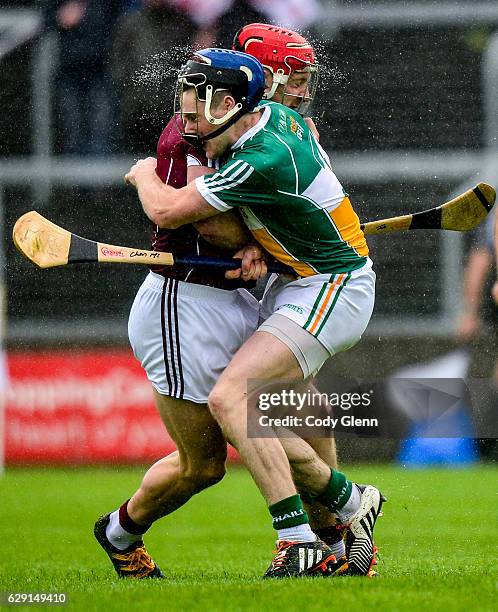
(281, 51)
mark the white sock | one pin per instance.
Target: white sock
(351, 506)
(299, 533)
(117, 536)
(338, 549)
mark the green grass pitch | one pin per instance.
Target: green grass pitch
(437, 541)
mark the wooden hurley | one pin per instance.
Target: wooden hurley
(462, 213)
(47, 245)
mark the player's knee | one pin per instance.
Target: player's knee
(212, 474)
(197, 478)
(219, 406)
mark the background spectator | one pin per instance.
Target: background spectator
(293, 14)
(148, 46)
(478, 323)
(84, 101)
(237, 14)
(221, 18)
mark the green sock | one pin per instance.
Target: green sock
(337, 492)
(288, 512)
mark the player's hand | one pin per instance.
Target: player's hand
(253, 264)
(494, 292)
(311, 124)
(142, 169)
(468, 327)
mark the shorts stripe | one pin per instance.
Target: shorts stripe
(171, 339)
(177, 331)
(331, 288)
(336, 297)
(315, 305)
(170, 283)
(163, 333)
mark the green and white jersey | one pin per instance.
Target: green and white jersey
(281, 179)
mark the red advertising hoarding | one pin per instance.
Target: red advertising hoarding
(81, 407)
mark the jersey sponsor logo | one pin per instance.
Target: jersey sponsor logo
(282, 122)
(296, 128)
(293, 307)
(111, 252)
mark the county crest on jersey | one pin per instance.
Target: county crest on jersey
(281, 180)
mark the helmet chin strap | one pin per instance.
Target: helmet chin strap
(197, 140)
(222, 128)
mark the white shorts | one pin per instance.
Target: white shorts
(185, 335)
(334, 309)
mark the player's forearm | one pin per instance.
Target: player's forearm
(494, 288)
(475, 275)
(165, 206)
(226, 231)
(496, 244)
(157, 201)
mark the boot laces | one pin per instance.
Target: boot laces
(137, 561)
(282, 552)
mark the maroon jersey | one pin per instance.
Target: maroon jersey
(174, 155)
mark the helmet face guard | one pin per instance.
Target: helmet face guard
(288, 57)
(287, 78)
(218, 70)
(203, 93)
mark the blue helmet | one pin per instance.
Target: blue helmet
(238, 72)
(212, 70)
